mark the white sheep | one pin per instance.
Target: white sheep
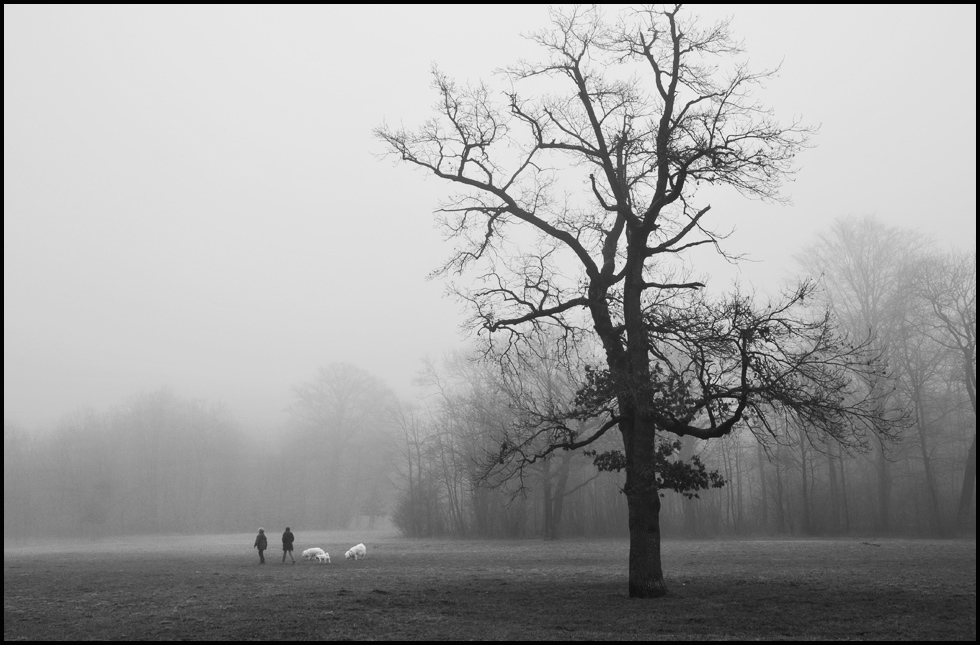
(356, 552)
(323, 558)
(310, 554)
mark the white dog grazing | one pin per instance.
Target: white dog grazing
(356, 552)
(310, 554)
(323, 558)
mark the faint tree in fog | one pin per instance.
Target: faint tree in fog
(463, 404)
(920, 364)
(439, 440)
(948, 285)
(171, 460)
(574, 207)
(538, 386)
(343, 433)
(84, 471)
(864, 265)
(155, 463)
(416, 512)
(19, 481)
(450, 443)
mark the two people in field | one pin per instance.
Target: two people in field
(262, 543)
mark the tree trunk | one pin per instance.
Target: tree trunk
(806, 519)
(780, 467)
(480, 501)
(689, 505)
(835, 506)
(845, 514)
(763, 495)
(558, 492)
(970, 472)
(547, 500)
(738, 486)
(969, 483)
(646, 576)
(730, 523)
(884, 489)
(937, 520)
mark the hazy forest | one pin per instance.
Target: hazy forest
(158, 463)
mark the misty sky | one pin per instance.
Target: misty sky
(193, 197)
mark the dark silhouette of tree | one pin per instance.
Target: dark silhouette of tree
(574, 209)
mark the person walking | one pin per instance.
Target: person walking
(261, 543)
(287, 545)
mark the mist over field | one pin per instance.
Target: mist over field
(218, 313)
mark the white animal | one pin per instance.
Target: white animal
(356, 552)
(323, 558)
(310, 554)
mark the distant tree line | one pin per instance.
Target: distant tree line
(156, 463)
(159, 463)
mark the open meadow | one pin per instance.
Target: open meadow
(212, 587)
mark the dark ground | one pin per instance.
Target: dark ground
(212, 587)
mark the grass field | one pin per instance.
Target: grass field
(212, 587)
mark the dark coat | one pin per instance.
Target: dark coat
(261, 543)
(287, 541)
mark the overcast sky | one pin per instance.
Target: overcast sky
(193, 197)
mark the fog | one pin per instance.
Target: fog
(196, 212)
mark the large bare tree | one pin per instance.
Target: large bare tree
(575, 201)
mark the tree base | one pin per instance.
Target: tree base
(657, 590)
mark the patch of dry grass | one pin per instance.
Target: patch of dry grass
(212, 588)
